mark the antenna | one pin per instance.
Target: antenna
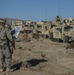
(45, 14)
(59, 12)
(59, 8)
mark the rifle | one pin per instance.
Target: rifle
(10, 42)
(13, 44)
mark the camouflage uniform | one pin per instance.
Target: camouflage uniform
(5, 49)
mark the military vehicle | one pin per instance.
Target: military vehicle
(69, 21)
(28, 27)
(43, 29)
(64, 33)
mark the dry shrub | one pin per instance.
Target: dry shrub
(43, 55)
(26, 38)
(70, 46)
(20, 47)
(36, 36)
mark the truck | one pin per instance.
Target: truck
(43, 29)
(64, 33)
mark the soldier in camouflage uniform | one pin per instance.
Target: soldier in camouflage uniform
(5, 49)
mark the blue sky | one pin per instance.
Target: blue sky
(36, 10)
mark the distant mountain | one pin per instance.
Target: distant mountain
(9, 20)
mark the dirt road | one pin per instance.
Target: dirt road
(44, 57)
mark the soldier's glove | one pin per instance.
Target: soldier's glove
(13, 44)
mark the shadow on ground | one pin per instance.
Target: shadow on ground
(16, 66)
(35, 62)
(28, 63)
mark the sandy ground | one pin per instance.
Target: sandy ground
(45, 57)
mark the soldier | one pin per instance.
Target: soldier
(58, 19)
(5, 48)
